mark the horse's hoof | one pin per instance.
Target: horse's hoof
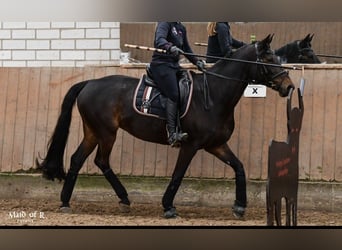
(238, 211)
(65, 210)
(124, 208)
(171, 213)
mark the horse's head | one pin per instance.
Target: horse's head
(305, 52)
(298, 51)
(272, 76)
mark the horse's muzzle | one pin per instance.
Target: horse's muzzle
(284, 92)
(285, 86)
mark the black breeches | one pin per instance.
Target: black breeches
(166, 78)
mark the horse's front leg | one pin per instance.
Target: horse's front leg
(224, 153)
(185, 156)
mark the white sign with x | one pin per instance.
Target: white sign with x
(255, 90)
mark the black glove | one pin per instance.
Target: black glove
(174, 50)
(200, 65)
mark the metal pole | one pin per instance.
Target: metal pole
(333, 56)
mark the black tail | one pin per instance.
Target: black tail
(52, 166)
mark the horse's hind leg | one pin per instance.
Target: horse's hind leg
(77, 160)
(225, 154)
(102, 161)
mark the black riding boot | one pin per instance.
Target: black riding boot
(174, 137)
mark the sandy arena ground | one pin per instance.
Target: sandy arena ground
(40, 212)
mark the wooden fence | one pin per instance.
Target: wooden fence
(30, 101)
(327, 36)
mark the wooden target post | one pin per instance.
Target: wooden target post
(283, 166)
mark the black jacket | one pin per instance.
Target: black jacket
(171, 34)
(222, 42)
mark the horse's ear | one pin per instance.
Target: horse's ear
(267, 40)
(308, 38)
(311, 37)
(271, 37)
(264, 44)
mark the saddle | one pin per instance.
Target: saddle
(148, 100)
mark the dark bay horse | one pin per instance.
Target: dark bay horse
(298, 51)
(105, 105)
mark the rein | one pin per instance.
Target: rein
(241, 61)
(258, 62)
(221, 76)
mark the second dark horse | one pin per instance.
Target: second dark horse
(105, 106)
(298, 51)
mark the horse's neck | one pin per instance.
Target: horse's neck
(236, 75)
(230, 91)
(281, 51)
(288, 53)
(282, 54)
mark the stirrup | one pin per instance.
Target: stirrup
(173, 140)
(182, 136)
(176, 138)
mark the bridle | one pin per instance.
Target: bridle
(264, 72)
(303, 51)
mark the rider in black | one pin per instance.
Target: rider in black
(220, 41)
(172, 37)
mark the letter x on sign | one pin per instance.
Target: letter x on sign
(255, 91)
